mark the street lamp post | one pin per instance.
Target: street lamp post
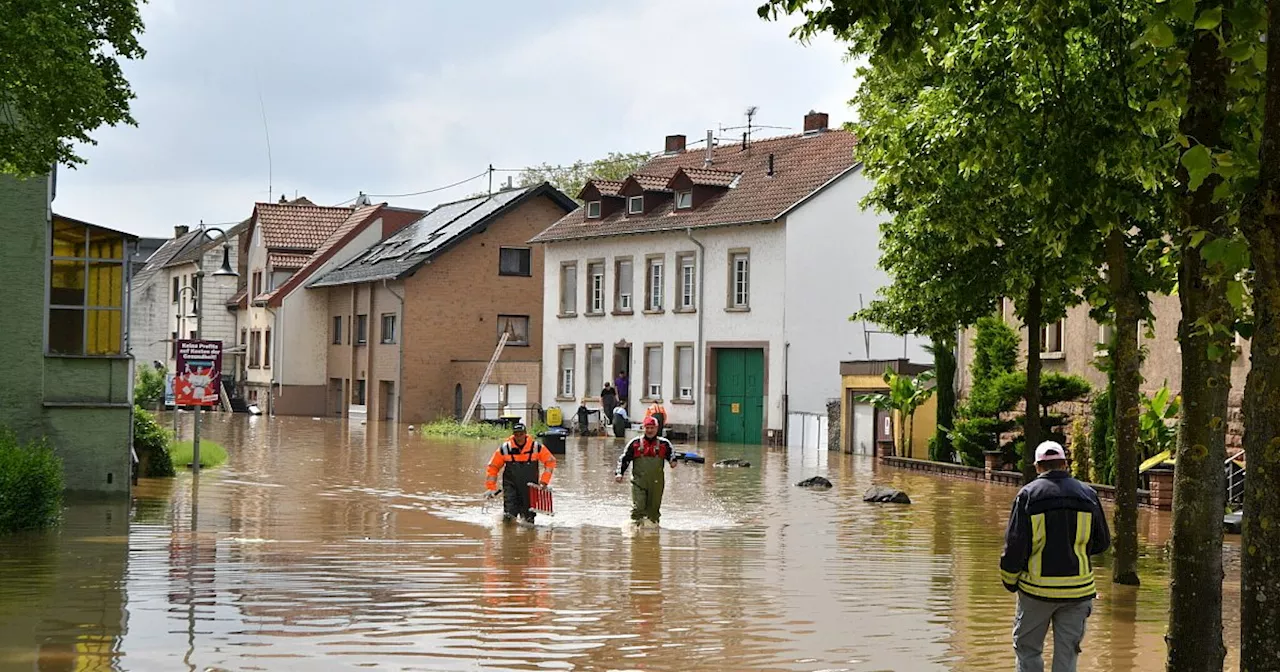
(224, 271)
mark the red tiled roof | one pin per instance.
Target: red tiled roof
(238, 299)
(295, 226)
(287, 261)
(802, 164)
(605, 187)
(709, 177)
(650, 182)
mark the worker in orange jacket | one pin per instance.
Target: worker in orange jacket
(518, 458)
(658, 412)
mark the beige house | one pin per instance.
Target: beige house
(1072, 344)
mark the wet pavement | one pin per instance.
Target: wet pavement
(323, 546)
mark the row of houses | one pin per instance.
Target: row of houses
(717, 280)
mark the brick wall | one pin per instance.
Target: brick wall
(451, 308)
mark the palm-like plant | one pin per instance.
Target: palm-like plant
(906, 394)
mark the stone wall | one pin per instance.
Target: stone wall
(833, 425)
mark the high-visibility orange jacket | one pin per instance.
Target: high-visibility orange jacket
(656, 409)
(519, 463)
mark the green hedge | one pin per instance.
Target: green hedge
(476, 430)
(30, 484)
(151, 443)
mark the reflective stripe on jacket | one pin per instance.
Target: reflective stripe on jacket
(1056, 524)
(527, 456)
(643, 446)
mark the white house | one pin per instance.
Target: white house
(720, 282)
(164, 310)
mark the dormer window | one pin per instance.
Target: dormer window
(593, 209)
(684, 200)
(635, 205)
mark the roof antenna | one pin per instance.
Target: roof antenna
(267, 131)
(751, 114)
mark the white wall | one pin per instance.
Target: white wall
(832, 250)
(149, 320)
(762, 323)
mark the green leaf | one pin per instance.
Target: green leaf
(1197, 238)
(1209, 19)
(1215, 352)
(1235, 294)
(1199, 163)
(1260, 59)
(1161, 36)
(1245, 329)
(1241, 51)
(1184, 9)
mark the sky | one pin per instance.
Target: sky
(396, 96)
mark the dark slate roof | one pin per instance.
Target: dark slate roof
(449, 223)
(162, 257)
(803, 164)
(193, 250)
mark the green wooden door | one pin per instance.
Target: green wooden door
(739, 395)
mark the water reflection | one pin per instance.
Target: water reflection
(323, 545)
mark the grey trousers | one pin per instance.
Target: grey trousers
(1031, 624)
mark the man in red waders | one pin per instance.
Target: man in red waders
(518, 458)
(647, 455)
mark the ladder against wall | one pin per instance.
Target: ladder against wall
(488, 371)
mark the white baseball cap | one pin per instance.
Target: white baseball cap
(1049, 451)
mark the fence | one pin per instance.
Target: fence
(807, 430)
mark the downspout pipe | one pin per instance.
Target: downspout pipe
(400, 353)
(699, 363)
(277, 364)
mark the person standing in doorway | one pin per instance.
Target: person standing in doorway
(1056, 524)
(622, 385)
(648, 455)
(518, 458)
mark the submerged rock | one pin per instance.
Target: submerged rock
(879, 493)
(817, 482)
(733, 463)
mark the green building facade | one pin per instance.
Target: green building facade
(65, 370)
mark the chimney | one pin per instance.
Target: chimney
(675, 144)
(710, 147)
(770, 165)
(180, 230)
(282, 199)
(815, 122)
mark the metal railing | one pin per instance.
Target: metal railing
(1235, 474)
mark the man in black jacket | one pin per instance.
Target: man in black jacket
(1056, 524)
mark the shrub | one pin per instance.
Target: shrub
(148, 386)
(212, 454)
(30, 484)
(151, 444)
(476, 430)
(1102, 440)
(1080, 451)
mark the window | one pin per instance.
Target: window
(688, 282)
(622, 285)
(653, 371)
(684, 200)
(257, 284)
(595, 369)
(593, 209)
(565, 390)
(654, 284)
(635, 205)
(244, 336)
(255, 349)
(595, 288)
(337, 330)
(1051, 339)
(388, 333)
(684, 372)
(266, 349)
(176, 290)
(195, 293)
(515, 261)
(517, 325)
(740, 281)
(1106, 334)
(86, 290)
(357, 393)
(362, 329)
(569, 289)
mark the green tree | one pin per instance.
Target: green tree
(570, 179)
(60, 77)
(906, 395)
(148, 386)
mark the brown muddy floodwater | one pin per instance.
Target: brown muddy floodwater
(322, 546)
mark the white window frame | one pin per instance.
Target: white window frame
(684, 199)
(688, 282)
(565, 381)
(653, 390)
(595, 288)
(1058, 330)
(595, 373)
(513, 320)
(635, 205)
(655, 279)
(740, 280)
(384, 337)
(593, 209)
(684, 381)
(623, 303)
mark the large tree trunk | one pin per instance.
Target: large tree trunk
(1031, 420)
(1260, 564)
(1127, 365)
(944, 362)
(1195, 605)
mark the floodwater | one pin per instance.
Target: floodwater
(323, 546)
